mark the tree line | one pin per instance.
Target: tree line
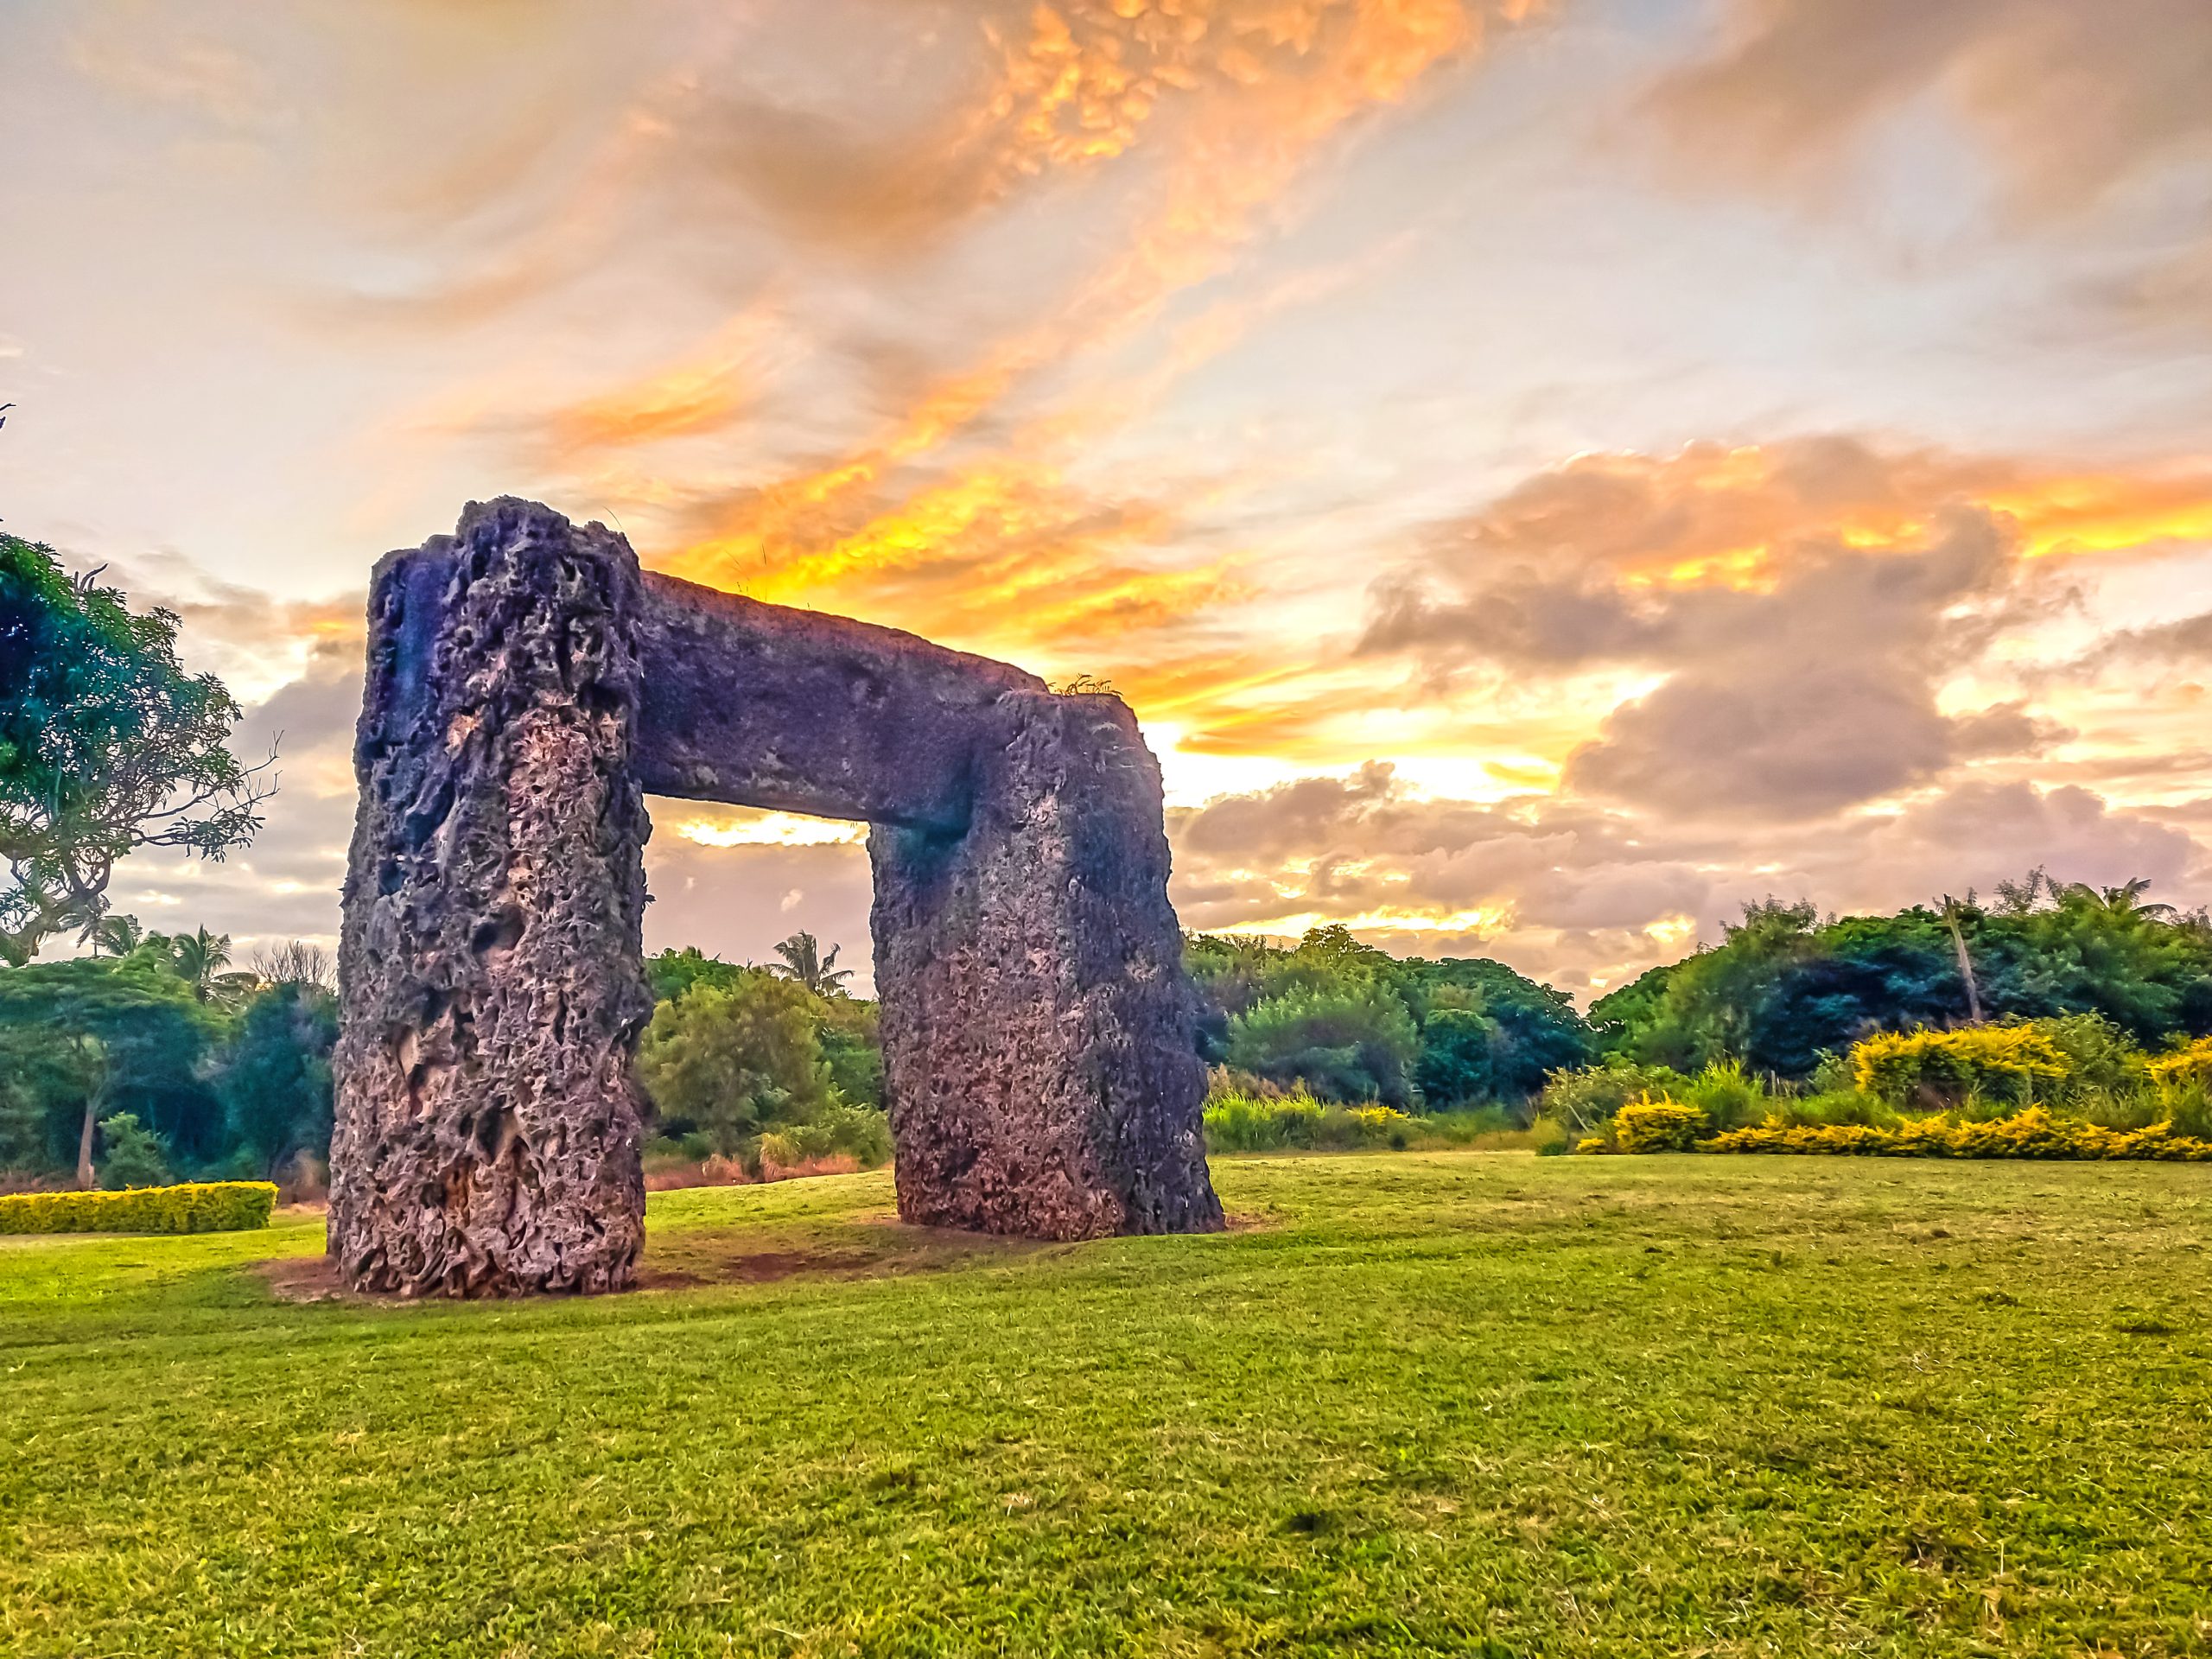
(1785, 988)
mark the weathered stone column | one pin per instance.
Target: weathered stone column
(1038, 1059)
(487, 1122)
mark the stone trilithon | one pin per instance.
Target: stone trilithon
(527, 686)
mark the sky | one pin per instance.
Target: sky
(1545, 473)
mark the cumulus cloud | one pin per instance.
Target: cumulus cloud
(285, 885)
(1978, 833)
(252, 639)
(1805, 606)
(836, 214)
(2186, 641)
(1821, 692)
(909, 303)
(1365, 845)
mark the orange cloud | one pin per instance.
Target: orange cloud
(969, 513)
(705, 392)
(1723, 514)
(1245, 85)
(1005, 555)
(1002, 551)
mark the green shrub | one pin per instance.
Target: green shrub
(1471, 1126)
(859, 1133)
(1727, 1095)
(1551, 1137)
(2102, 1061)
(1235, 1122)
(736, 1056)
(1350, 1043)
(1583, 1099)
(2182, 1088)
(2188, 1109)
(202, 1207)
(1455, 1045)
(1657, 1126)
(1240, 1120)
(134, 1155)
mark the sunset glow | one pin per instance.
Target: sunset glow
(1543, 477)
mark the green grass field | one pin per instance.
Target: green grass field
(1451, 1403)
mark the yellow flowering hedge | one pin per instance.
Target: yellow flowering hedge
(1378, 1119)
(2184, 1066)
(2033, 1133)
(199, 1207)
(1657, 1126)
(2001, 1062)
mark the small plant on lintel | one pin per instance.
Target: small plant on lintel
(1084, 685)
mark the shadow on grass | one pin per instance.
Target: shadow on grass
(700, 1255)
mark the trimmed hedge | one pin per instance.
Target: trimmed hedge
(2031, 1134)
(1658, 1126)
(201, 1207)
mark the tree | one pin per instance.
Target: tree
(1335, 946)
(134, 1155)
(201, 958)
(112, 1036)
(851, 1048)
(728, 1062)
(117, 936)
(296, 963)
(1784, 989)
(275, 1082)
(803, 963)
(106, 745)
(671, 973)
(1352, 1043)
(1456, 1046)
(2125, 900)
(1533, 1029)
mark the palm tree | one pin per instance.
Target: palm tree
(2128, 900)
(2124, 901)
(1956, 914)
(201, 958)
(803, 961)
(116, 936)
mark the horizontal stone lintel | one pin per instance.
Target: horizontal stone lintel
(763, 705)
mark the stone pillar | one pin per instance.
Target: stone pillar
(1038, 1059)
(487, 1140)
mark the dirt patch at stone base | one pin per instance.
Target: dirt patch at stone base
(308, 1278)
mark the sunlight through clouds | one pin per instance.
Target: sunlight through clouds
(1544, 474)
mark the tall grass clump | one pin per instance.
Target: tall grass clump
(1239, 1121)
(1248, 1114)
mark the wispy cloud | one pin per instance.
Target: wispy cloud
(2091, 121)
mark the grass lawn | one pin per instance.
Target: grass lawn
(1468, 1404)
